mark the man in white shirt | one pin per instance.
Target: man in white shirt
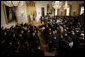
(70, 43)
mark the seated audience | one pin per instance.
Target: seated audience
(19, 40)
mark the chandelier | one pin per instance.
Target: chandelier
(13, 3)
(66, 5)
(59, 4)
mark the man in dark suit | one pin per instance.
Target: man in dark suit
(41, 19)
(49, 36)
(74, 37)
(3, 44)
(81, 44)
(34, 40)
(53, 44)
(38, 51)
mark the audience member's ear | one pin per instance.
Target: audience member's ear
(54, 37)
(5, 33)
(22, 32)
(66, 34)
(61, 36)
(49, 29)
(18, 42)
(10, 43)
(33, 34)
(35, 31)
(28, 30)
(20, 35)
(14, 35)
(38, 47)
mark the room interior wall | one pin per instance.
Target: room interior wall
(22, 15)
(2, 15)
(75, 6)
(30, 9)
(39, 5)
(3, 18)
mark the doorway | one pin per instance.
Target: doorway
(43, 11)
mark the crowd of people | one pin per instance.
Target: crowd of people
(65, 35)
(20, 40)
(48, 18)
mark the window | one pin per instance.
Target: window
(55, 12)
(82, 10)
(67, 11)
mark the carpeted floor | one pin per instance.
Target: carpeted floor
(44, 46)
